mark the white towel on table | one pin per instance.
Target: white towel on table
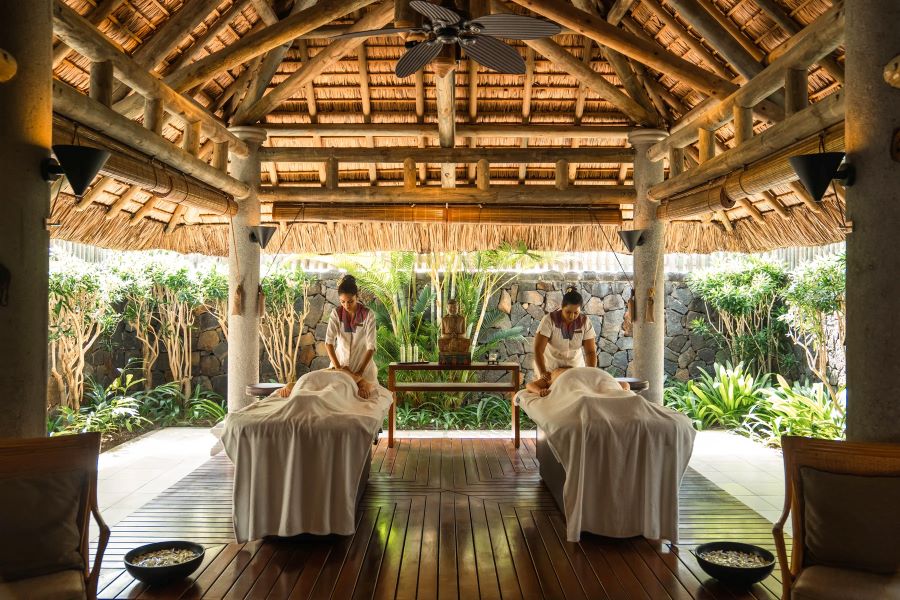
(298, 460)
(624, 457)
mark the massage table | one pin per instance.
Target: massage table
(626, 456)
(302, 462)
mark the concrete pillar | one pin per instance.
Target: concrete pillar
(243, 270)
(873, 205)
(26, 112)
(648, 267)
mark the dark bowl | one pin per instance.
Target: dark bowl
(737, 576)
(159, 575)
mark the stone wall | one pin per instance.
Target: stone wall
(524, 303)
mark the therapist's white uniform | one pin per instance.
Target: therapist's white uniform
(562, 352)
(351, 346)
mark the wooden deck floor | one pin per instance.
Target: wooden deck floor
(441, 519)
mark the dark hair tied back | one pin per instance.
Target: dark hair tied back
(348, 285)
(572, 297)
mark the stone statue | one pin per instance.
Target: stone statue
(453, 331)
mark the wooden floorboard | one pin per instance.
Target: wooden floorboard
(441, 518)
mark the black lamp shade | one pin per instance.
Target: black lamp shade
(816, 171)
(80, 164)
(262, 234)
(632, 238)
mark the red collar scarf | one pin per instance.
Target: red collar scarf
(567, 329)
(352, 321)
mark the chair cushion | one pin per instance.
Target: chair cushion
(39, 521)
(828, 583)
(851, 521)
(62, 585)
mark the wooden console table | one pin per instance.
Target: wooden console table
(510, 387)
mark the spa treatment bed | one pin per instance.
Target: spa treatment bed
(302, 462)
(612, 460)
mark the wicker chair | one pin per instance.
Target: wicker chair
(844, 499)
(49, 492)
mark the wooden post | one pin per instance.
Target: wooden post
(220, 156)
(743, 124)
(483, 175)
(706, 144)
(331, 174)
(796, 88)
(153, 114)
(562, 174)
(676, 161)
(445, 90)
(191, 138)
(409, 174)
(102, 82)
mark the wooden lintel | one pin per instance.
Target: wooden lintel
(396, 155)
(524, 195)
(482, 130)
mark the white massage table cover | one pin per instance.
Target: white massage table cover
(624, 457)
(298, 460)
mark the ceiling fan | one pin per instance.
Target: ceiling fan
(477, 37)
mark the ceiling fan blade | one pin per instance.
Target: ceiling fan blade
(374, 32)
(494, 54)
(514, 27)
(435, 13)
(417, 57)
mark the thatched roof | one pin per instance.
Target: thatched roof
(553, 97)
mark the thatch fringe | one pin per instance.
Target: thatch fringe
(805, 228)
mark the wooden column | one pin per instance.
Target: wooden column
(796, 91)
(445, 90)
(26, 110)
(102, 82)
(153, 114)
(649, 275)
(873, 205)
(243, 275)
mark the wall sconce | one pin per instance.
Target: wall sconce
(817, 170)
(632, 238)
(80, 164)
(262, 234)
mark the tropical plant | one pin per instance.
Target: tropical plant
(105, 410)
(282, 321)
(815, 299)
(727, 396)
(178, 295)
(744, 296)
(81, 308)
(490, 412)
(678, 396)
(806, 410)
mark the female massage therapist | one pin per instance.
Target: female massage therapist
(350, 337)
(565, 338)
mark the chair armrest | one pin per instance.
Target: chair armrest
(94, 576)
(787, 578)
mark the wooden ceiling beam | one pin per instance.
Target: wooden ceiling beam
(481, 130)
(681, 33)
(81, 109)
(503, 195)
(396, 155)
(630, 45)
(500, 215)
(102, 10)
(813, 42)
(85, 38)
(445, 93)
(380, 16)
(796, 128)
(208, 36)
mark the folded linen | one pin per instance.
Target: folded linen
(624, 457)
(299, 460)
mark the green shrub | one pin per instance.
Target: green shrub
(744, 298)
(491, 412)
(728, 396)
(806, 410)
(106, 410)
